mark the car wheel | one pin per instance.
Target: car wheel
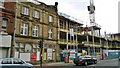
(86, 63)
(77, 64)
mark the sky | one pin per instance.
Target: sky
(106, 12)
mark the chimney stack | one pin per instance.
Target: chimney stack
(56, 4)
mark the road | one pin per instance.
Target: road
(111, 63)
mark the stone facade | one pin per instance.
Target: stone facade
(32, 23)
(43, 24)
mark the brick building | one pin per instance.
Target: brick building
(6, 29)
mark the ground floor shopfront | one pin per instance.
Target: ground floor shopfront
(80, 49)
(28, 50)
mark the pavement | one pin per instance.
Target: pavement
(53, 64)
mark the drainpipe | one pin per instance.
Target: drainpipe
(12, 51)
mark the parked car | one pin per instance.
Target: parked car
(14, 63)
(85, 60)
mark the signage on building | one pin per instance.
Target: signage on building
(72, 53)
(33, 56)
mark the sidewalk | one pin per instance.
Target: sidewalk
(52, 64)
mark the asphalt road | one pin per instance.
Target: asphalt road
(111, 63)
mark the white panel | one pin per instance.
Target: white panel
(25, 56)
(38, 55)
(5, 41)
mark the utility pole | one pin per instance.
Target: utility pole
(91, 10)
(12, 51)
(41, 47)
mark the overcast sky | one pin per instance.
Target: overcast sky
(106, 13)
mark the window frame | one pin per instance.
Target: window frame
(25, 10)
(50, 18)
(35, 29)
(23, 28)
(36, 14)
(50, 31)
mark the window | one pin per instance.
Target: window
(28, 47)
(61, 23)
(17, 44)
(4, 25)
(50, 19)
(17, 61)
(25, 10)
(17, 49)
(50, 33)
(21, 45)
(36, 14)
(22, 50)
(6, 61)
(24, 29)
(35, 31)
